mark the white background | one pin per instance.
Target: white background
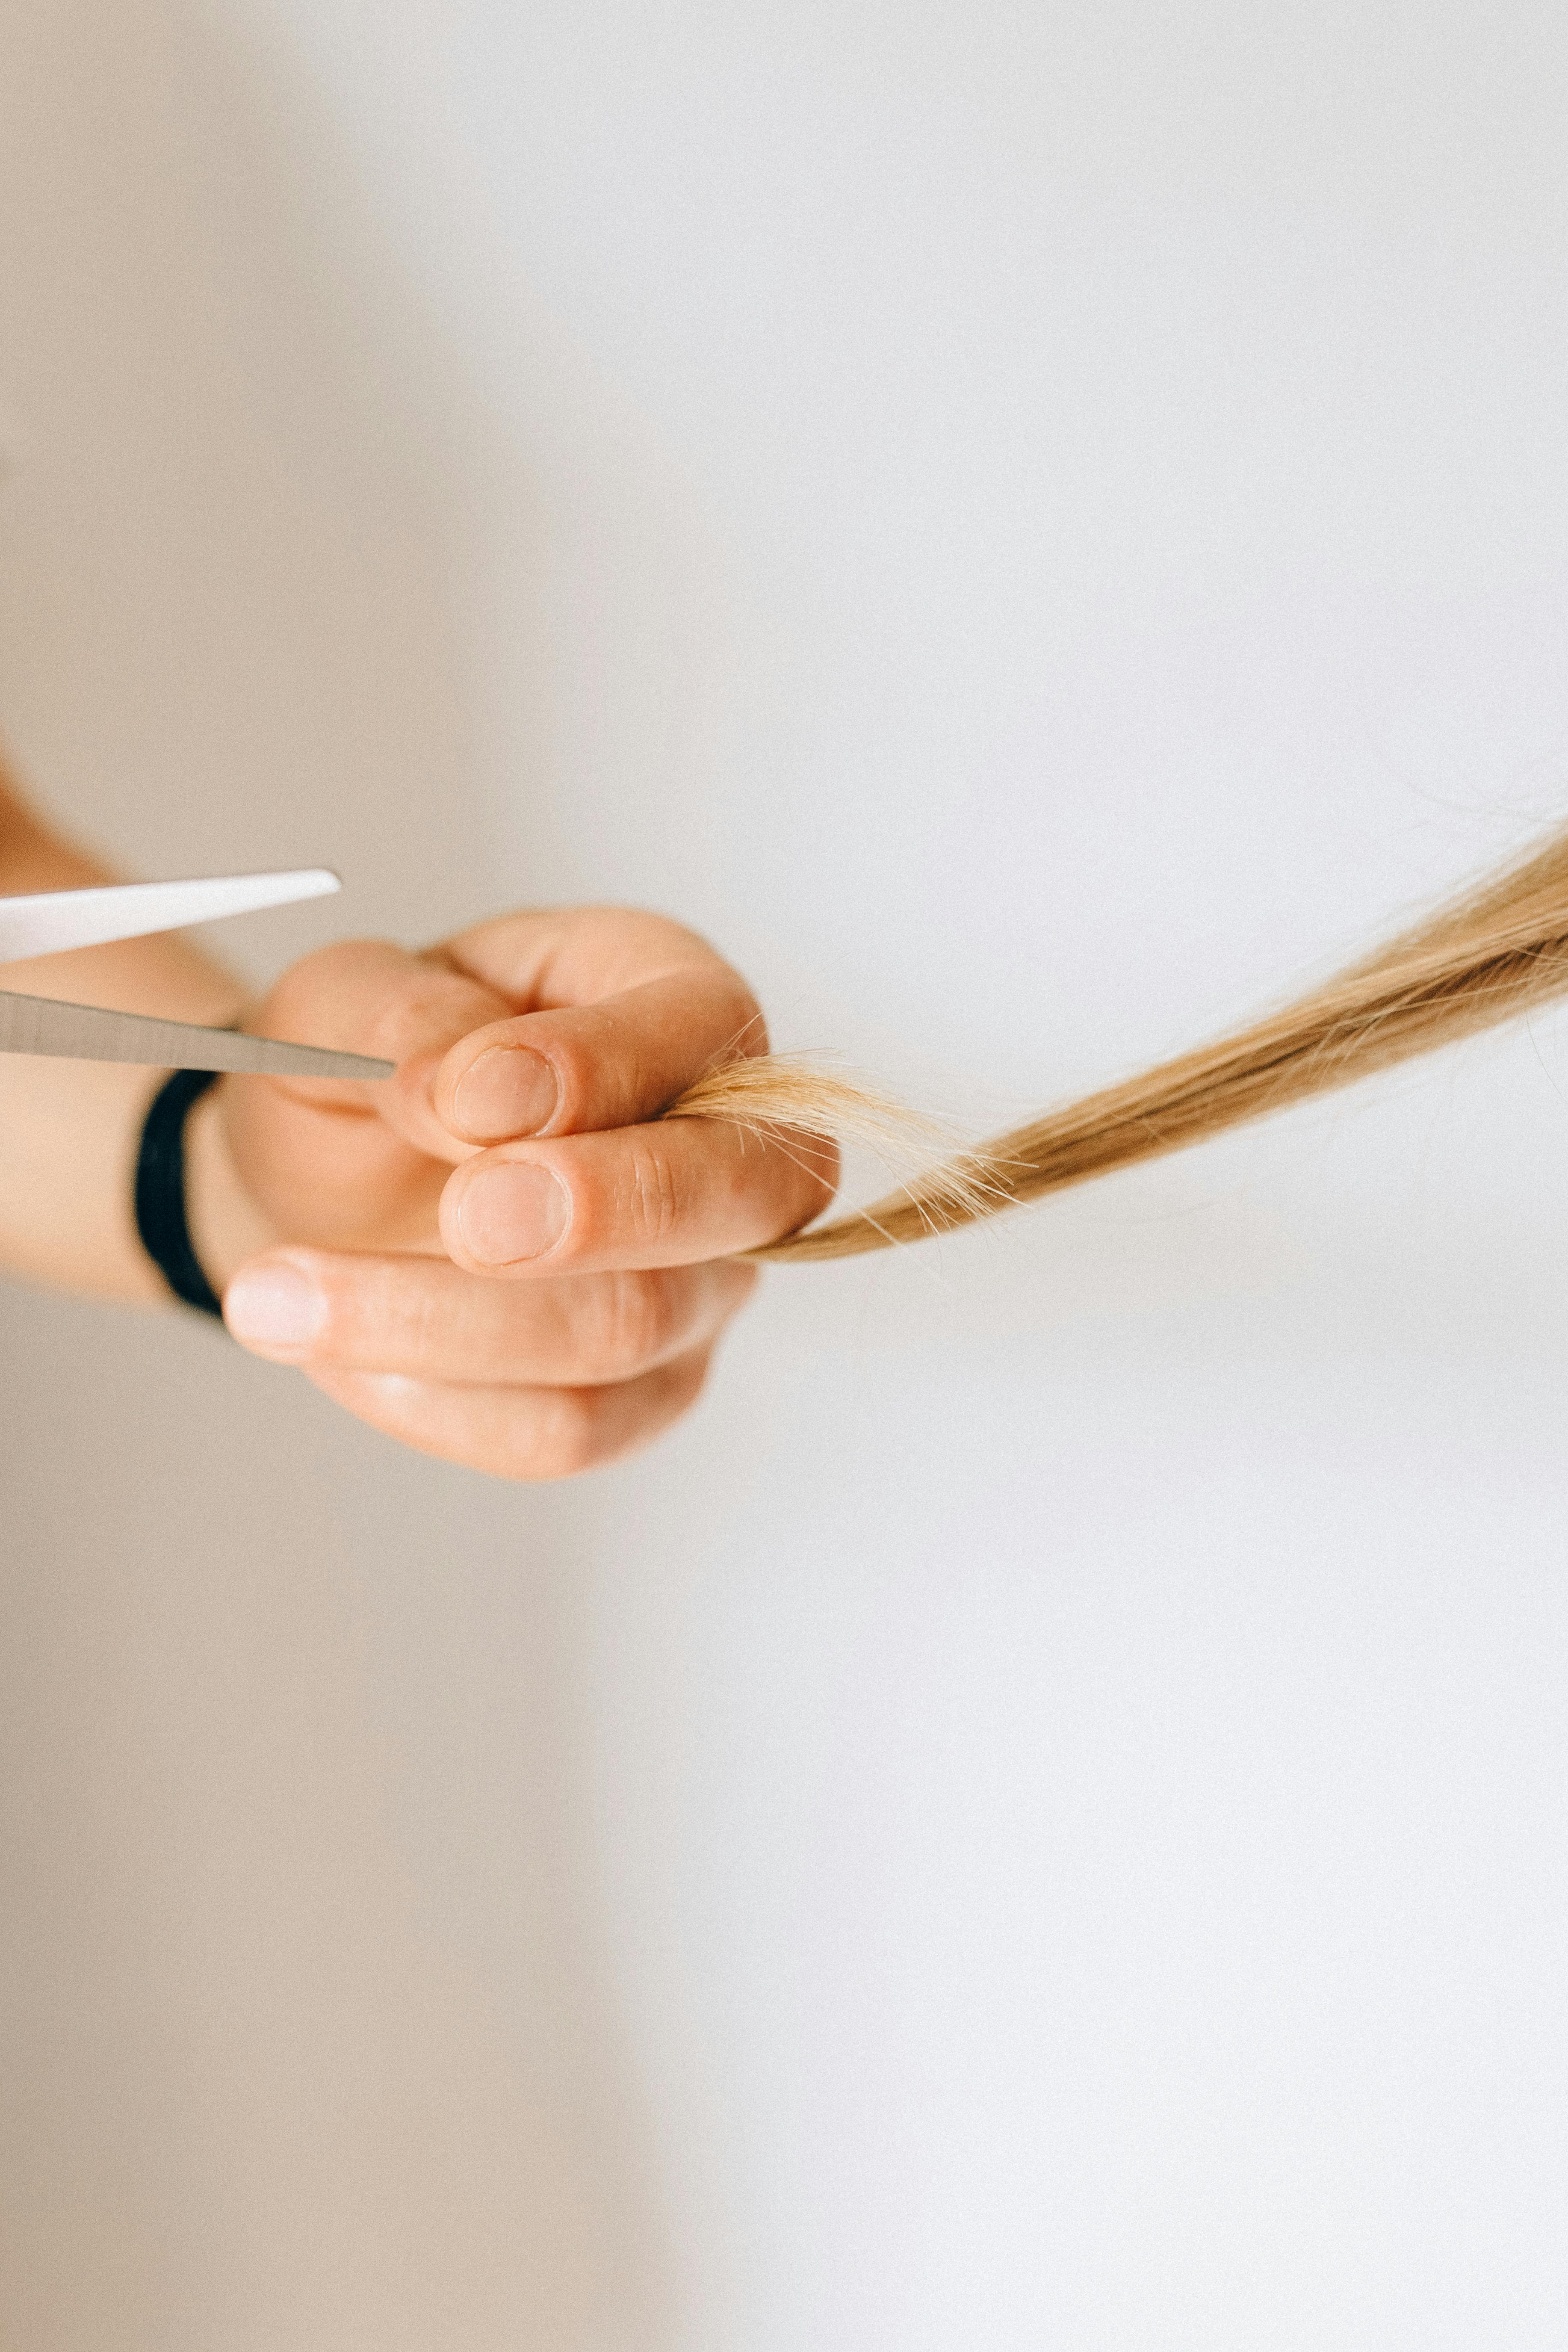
(1039, 1817)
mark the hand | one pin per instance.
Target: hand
(502, 1255)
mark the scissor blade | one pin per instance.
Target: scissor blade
(50, 920)
(39, 1024)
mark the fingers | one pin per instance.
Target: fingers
(534, 1383)
(624, 1011)
(348, 1166)
(670, 1193)
(429, 1322)
(367, 997)
(612, 1063)
(575, 955)
(532, 1433)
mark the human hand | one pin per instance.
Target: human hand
(501, 1255)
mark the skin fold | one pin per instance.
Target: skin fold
(502, 1254)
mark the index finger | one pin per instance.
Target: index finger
(627, 1011)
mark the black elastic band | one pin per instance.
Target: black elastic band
(160, 1191)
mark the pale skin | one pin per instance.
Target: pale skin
(501, 1255)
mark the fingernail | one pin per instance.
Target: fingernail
(510, 1090)
(512, 1212)
(276, 1309)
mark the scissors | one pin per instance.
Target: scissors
(51, 921)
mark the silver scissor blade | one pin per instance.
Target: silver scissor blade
(84, 1033)
(50, 920)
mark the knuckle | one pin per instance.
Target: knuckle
(805, 1178)
(426, 1004)
(734, 1010)
(739, 1282)
(746, 1017)
(653, 1196)
(316, 980)
(676, 1388)
(565, 1439)
(421, 1322)
(637, 1321)
(689, 1378)
(822, 1168)
(660, 937)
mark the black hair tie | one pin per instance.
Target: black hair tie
(160, 1191)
